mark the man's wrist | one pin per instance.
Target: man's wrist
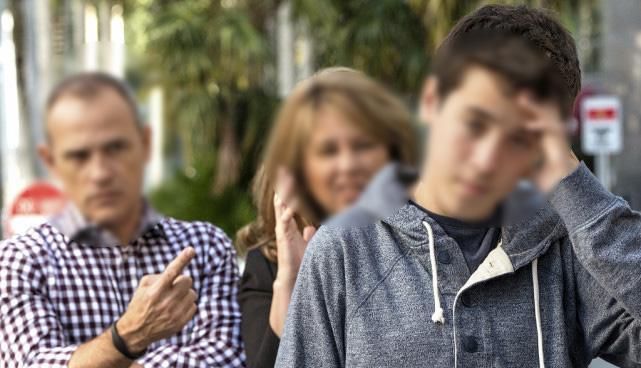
(132, 336)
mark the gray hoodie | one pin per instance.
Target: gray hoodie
(562, 287)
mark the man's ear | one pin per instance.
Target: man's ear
(45, 154)
(146, 141)
(429, 102)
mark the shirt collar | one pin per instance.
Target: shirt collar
(74, 225)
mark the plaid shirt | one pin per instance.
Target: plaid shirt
(61, 286)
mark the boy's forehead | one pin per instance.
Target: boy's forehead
(486, 94)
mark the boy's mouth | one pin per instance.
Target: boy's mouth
(473, 189)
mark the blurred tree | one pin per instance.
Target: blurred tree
(211, 56)
(214, 59)
(384, 38)
(579, 16)
(392, 40)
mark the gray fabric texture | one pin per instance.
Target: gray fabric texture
(363, 297)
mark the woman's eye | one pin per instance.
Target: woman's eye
(364, 145)
(327, 150)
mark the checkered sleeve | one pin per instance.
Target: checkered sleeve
(30, 333)
(215, 339)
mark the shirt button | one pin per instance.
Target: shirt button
(443, 257)
(466, 300)
(470, 344)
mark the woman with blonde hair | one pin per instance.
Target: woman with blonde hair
(334, 132)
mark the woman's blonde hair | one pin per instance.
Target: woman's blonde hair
(363, 102)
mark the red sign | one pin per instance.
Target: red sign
(32, 207)
(602, 114)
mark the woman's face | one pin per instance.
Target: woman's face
(340, 160)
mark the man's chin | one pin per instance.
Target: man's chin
(106, 217)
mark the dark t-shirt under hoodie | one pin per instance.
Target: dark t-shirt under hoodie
(476, 239)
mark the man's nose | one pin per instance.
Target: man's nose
(100, 169)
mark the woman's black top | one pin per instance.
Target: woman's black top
(255, 298)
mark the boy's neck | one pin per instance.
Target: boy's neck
(426, 195)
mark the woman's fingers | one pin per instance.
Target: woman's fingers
(278, 206)
(308, 233)
(285, 201)
(287, 189)
(287, 215)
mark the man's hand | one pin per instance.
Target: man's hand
(160, 307)
(557, 160)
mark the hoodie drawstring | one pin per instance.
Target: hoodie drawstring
(537, 311)
(437, 316)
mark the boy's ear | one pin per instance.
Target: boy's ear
(533, 169)
(429, 100)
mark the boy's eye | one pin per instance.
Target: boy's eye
(521, 141)
(475, 127)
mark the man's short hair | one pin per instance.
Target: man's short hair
(88, 85)
(481, 36)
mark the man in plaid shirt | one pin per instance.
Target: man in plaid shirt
(108, 282)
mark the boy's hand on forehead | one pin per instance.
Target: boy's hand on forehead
(557, 159)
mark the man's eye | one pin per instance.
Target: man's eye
(115, 147)
(78, 157)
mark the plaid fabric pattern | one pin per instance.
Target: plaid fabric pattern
(71, 223)
(56, 293)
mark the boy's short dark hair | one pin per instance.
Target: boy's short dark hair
(550, 68)
(88, 85)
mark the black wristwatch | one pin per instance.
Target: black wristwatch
(121, 346)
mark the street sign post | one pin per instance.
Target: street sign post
(601, 132)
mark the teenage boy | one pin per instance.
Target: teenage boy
(443, 282)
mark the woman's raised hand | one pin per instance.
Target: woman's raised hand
(290, 242)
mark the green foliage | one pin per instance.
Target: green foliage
(383, 38)
(206, 56)
(188, 197)
(215, 60)
(188, 193)
(212, 59)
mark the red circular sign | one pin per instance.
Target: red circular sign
(32, 207)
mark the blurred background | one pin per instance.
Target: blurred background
(209, 74)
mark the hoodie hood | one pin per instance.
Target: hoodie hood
(385, 194)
